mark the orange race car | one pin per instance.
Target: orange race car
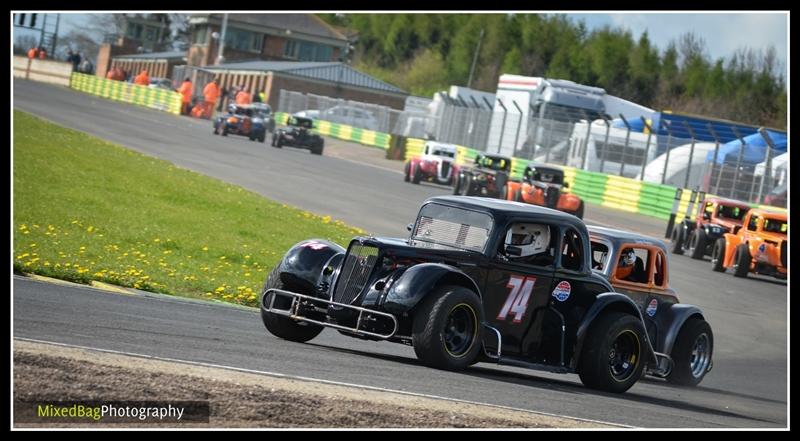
(542, 185)
(759, 246)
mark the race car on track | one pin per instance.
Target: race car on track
(299, 134)
(437, 164)
(715, 217)
(544, 185)
(242, 120)
(758, 247)
(487, 178)
(638, 267)
(478, 279)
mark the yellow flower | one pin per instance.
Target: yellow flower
(156, 240)
(205, 248)
(90, 229)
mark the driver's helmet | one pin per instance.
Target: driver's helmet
(626, 262)
(532, 239)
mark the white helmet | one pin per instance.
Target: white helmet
(530, 238)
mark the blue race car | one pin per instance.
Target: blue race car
(243, 120)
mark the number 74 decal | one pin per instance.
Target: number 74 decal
(517, 301)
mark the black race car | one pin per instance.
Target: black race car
(299, 134)
(489, 177)
(478, 279)
(244, 120)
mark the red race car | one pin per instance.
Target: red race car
(437, 164)
(542, 185)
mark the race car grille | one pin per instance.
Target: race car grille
(355, 273)
(783, 253)
(445, 169)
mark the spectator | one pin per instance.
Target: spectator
(186, 91)
(211, 94)
(242, 97)
(42, 53)
(257, 98)
(33, 53)
(142, 79)
(75, 59)
(86, 65)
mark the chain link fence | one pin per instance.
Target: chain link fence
(729, 160)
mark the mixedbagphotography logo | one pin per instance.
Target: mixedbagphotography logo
(71, 412)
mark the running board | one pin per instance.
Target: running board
(664, 366)
(308, 302)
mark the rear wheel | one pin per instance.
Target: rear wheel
(279, 325)
(518, 194)
(224, 131)
(741, 260)
(457, 185)
(677, 239)
(612, 356)
(504, 192)
(697, 245)
(718, 255)
(692, 353)
(262, 137)
(317, 148)
(447, 331)
(407, 172)
(417, 174)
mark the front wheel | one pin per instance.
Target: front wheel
(677, 239)
(718, 255)
(447, 331)
(697, 246)
(417, 174)
(692, 353)
(612, 358)
(279, 325)
(407, 172)
(741, 260)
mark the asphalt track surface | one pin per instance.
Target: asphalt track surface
(748, 386)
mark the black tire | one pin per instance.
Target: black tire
(417, 174)
(281, 326)
(216, 130)
(718, 255)
(692, 353)
(407, 172)
(579, 211)
(599, 366)
(466, 186)
(447, 331)
(224, 131)
(252, 138)
(518, 194)
(741, 260)
(504, 192)
(279, 142)
(262, 137)
(272, 143)
(677, 239)
(457, 185)
(697, 245)
(317, 148)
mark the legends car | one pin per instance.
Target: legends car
(299, 134)
(487, 178)
(241, 120)
(715, 217)
(758, 247)
(478, 279)
(638, 266)
(437, 164)
(544, 185)
(266, 113)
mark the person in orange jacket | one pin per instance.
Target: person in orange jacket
(211, 95)
(33, 52)
(243, 97)
(186, 90)
(42, 53)
(142, 79)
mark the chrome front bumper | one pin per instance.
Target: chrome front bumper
(301, 303)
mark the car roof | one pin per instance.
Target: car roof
(442, 145)
(617, 236)
(545, 167)
(502, 209)
(769, 214)
(489, 155)
(726, 201)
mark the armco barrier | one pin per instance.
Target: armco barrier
(345, 132)
(154, 98)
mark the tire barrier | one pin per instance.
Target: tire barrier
(345, 132)
(154, 98)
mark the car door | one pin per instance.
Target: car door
(516, 290)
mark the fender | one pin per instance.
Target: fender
(606, 302)
(513, 186)
(731, 242)
(419, 280)
(301, 267)
(671, 321)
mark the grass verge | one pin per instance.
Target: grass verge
(86, 209)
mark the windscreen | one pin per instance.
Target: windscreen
(445, 227)
(731, 212)
(776, 226)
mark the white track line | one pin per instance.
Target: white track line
(316, 380)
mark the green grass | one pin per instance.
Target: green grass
(86, 209)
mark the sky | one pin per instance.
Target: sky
(723, 33)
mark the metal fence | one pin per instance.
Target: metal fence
(673, 153)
